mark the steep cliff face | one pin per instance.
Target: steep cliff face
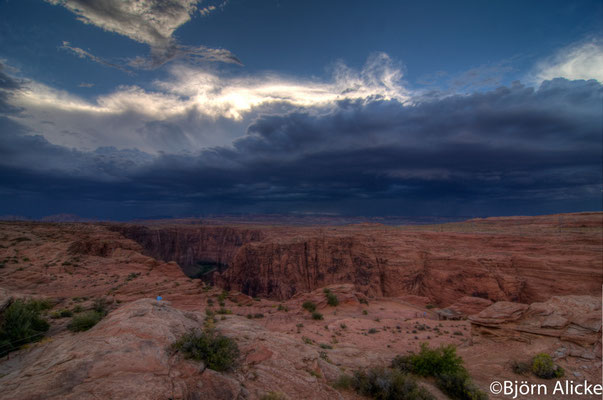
(193, 248)
(442, 266)
(516, 259)
(280, 270)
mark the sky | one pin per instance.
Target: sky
(126, 109)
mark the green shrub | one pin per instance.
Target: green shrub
(325, 346)
(443, 364)
(316, 315)
(85, 321)
(282, 307)
(332, 300)
(21, 324)
(458, 385)
(544, 367)
(132, 276)
(363, 301)
(61, 314)
(78, 309)
(223, 311)
(100, 306)
(387, 384)
(222, 296)
(344, 381)
(40, 304)
(520, 367)
(310, 306)
(372, 330)
(218, 352)
(432, 362)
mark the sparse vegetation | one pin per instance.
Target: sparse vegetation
(544, 367)
(443, 364)
(218, 352)
(309, 306)
(332, 300)
(315, 374)
(521, 367)
(61, 314)
(132, 276)
(22, 324)
(384, 384)
(282, 307)
(85, 321)
(317, 316)
(344, 382)
(40, 304)
(100, 306)
(222, 296)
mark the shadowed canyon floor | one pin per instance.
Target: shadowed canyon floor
(518, 286)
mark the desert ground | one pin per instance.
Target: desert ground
(500, 289)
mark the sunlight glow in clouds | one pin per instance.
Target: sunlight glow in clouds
(205, 96)
(231, 98)
(578, 61)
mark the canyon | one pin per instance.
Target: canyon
(516, 286)
(523, 260)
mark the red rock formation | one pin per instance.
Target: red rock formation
(280, 270)
(516, 265)
(574, 320)
(283, 349)
(188, 245)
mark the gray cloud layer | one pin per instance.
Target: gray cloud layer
(512, 150)
(152, 22)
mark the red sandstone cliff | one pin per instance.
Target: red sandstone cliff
(523, 259)
(512, 265)
(189, 245)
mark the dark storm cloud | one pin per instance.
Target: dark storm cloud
(512, 150)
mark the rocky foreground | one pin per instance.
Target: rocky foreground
(512, 288)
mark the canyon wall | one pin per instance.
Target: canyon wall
(189, 246)
(523, 260)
